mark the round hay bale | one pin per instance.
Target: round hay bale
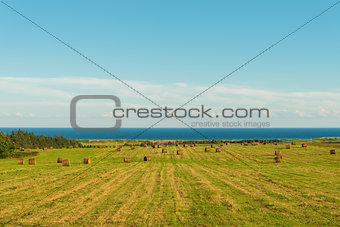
(132, 148)
(245, 144)
(222, 144)
(218, 150)
(304, 145)
(164, 150)
(87, 161)
(20, 161)
(275, 143)
(185, 145)
(196, 145)
(51, 148)
(288, 146)
(332, 151)
(114, 146)
(207, 149)
(177, 145)
(120, 146)
(147, 158)
(227, 144)
(277, 159)
(212, 145)
(191, 145)
(293, 143)
(45, 148)
(277, 152)
(66, 162)
(145, 145)
(126, 159)
(119, 149)
(159, 146)
(32, 161)
(60, 160)
(155, 146)
(179, 152)
(22, 149)
(70, 147)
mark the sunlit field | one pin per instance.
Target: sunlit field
(241, 185)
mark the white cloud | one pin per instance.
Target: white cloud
(107, 115)
(180, 84)
(337, 113)
(323, 112)
(303, 114)
(67, 88)
(18, 114)
(51, 97)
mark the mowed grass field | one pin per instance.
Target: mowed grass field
(239, 186)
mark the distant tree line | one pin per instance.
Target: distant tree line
(181, 142)
(18, 138)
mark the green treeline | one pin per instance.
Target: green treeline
(9, 143)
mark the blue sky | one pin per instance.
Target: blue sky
(170, 50)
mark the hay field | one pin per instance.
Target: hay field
(241, 185)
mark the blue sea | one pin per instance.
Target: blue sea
(188, 134)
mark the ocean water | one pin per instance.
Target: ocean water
(189, 134)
